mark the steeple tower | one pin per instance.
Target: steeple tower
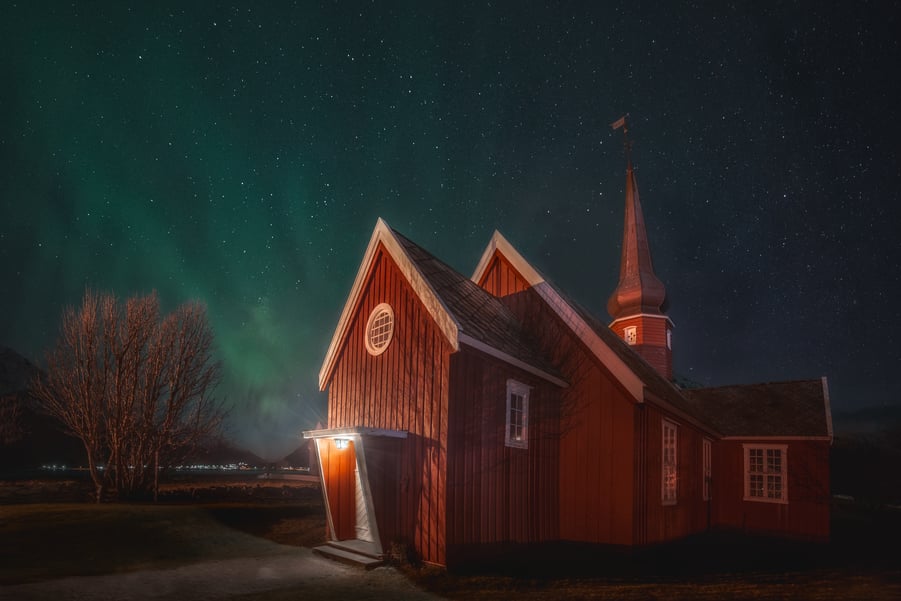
(637, 303)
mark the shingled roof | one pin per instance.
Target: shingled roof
(654, 381)
(480, 315)
(777, 409)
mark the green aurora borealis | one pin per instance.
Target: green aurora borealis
(240, 155)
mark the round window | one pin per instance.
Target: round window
(379, 329)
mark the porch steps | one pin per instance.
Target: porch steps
(352, 554)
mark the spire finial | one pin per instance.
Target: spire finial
(627, 145)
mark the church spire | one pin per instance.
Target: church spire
(639, 289)
(636, 304)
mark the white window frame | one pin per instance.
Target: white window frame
(669, 462)
(516, 435)
(707, 466)
(771, 477)
(380, 310)
(630, 335)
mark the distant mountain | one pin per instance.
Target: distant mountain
(15, 371)
(42, 441)
(225, 453)
(302, 456)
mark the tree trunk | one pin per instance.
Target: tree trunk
(95, 476)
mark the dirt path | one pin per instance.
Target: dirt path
(296, 574)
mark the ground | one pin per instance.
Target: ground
(246, 539)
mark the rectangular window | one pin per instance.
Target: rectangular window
(670, 467)
(765, 473)
(517, 427)
(706, 451)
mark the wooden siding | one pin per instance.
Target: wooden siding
(338, 475)
(499, 494)
(806, 515)
(650, 341)
(501, 278)
(689, 513)
(597, 437)
(404, 388)
(611, 448)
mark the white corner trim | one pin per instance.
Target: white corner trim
(324, 488)
(490, 350)
(828, 407)
(433, 304)
(498, 242)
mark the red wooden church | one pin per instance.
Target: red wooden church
(470, 412)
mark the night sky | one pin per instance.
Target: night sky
(240, 154)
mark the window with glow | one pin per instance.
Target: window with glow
(765, 473)
(379, 329)
(517, 426)
(630, 335)
(706, 452)
(670, 468)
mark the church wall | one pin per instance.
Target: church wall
(807, 513)
(499, 494)
(404, 388)
(688, 514)
(597, 436)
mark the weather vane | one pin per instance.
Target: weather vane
(621, 123)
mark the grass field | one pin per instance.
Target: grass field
(40, 541)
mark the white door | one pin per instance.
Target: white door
(363, 532)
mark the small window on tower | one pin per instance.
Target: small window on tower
(669, 339)
(630, 334)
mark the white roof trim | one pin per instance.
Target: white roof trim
(433, 304)
(357, 431)
(498, 242)
(490, 350)
(587, 335)
(828, 406)
(563, 310)
(648, 315)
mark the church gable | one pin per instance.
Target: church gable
(394, 357)
(501, 278)
(383, 240)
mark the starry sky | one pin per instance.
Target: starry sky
(240, 154)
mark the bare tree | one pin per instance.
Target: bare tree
(133, 386)
(10, 418)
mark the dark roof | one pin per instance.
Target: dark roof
(655, 383)
(775, 409)
(479, 314)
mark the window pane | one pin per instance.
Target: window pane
(756, 488)
(755, 461)
(773, 461)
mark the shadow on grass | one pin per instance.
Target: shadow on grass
(286, 524)
(861, 536)
(860, 561)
